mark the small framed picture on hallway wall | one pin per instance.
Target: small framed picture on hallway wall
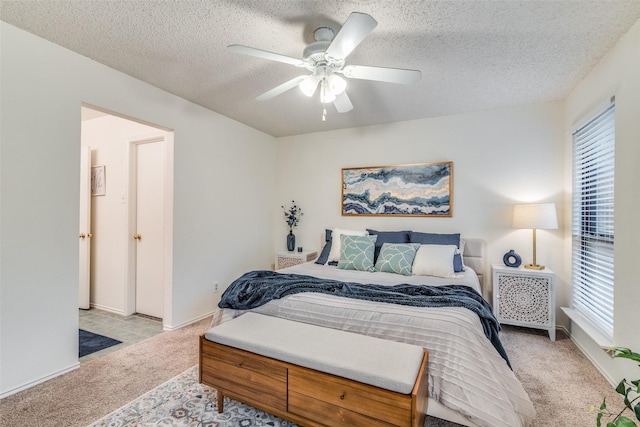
(98, 181)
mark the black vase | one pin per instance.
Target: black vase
(291, 241)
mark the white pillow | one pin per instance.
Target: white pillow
(434, 260)
(334, 254)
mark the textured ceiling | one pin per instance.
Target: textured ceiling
(473, 55)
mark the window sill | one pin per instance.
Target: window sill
(586, 326)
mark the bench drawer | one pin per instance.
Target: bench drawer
(247, 360)
(248, 375)
(352, 403)
(331, 415)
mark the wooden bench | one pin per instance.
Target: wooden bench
(315, 376)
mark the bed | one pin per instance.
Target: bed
(470, 382)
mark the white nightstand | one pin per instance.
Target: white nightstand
(286, 259)
(525, 297)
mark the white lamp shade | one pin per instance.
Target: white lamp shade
(337, 84)
(308, 85)
(535, 215)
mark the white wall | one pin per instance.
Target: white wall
(617, 74)
(500, 158)
(224, 183)
(108, 138)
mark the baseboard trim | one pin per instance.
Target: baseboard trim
(563, 329)
(187, 323)
(109, 309)
(39, 380)
(586, 354)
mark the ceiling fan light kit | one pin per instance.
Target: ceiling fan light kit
(325, 58)
(308, 85)
(336, 84)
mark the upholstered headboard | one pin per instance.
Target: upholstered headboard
(474, 257)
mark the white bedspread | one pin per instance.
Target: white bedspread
(466, 373)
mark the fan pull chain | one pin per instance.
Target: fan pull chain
(324, 114)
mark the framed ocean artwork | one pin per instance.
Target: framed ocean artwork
(423, 189)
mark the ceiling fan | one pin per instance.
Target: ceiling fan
(325, 59)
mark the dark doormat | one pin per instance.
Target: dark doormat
(90, 342)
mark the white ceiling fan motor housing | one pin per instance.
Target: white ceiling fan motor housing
(314, 54)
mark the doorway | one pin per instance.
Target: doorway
(114, 256)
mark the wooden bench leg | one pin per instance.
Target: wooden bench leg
(220, 402)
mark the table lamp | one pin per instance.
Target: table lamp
(535, 216)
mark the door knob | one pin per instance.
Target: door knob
(137, 236)
(82, 235)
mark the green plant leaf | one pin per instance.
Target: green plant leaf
(629, 389)
(636, 410)
(622, 387)
(626, 353)
(624, 422)
(603, 405)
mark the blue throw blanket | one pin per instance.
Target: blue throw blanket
(256, 288)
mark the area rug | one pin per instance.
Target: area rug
(90, 342)
(182, 401)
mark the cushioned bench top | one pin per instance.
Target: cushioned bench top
(386, 364)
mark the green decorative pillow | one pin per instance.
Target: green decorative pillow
(397, 258)
(356, 252)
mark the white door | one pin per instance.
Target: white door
(149, 234)
(85, 228)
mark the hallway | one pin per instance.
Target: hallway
(128, 329)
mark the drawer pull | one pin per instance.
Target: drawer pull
(239, 365)
(342, 396)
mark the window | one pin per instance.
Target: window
(592, 220)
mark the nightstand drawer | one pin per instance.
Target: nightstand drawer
(524, 299)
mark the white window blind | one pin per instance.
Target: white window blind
(592, 220)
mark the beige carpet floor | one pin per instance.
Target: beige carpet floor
(560, 381)
(103, 385)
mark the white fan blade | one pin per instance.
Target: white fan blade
(355, 29)
(280, 89)
(259, 53)
(343, 103)
(380, 74)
